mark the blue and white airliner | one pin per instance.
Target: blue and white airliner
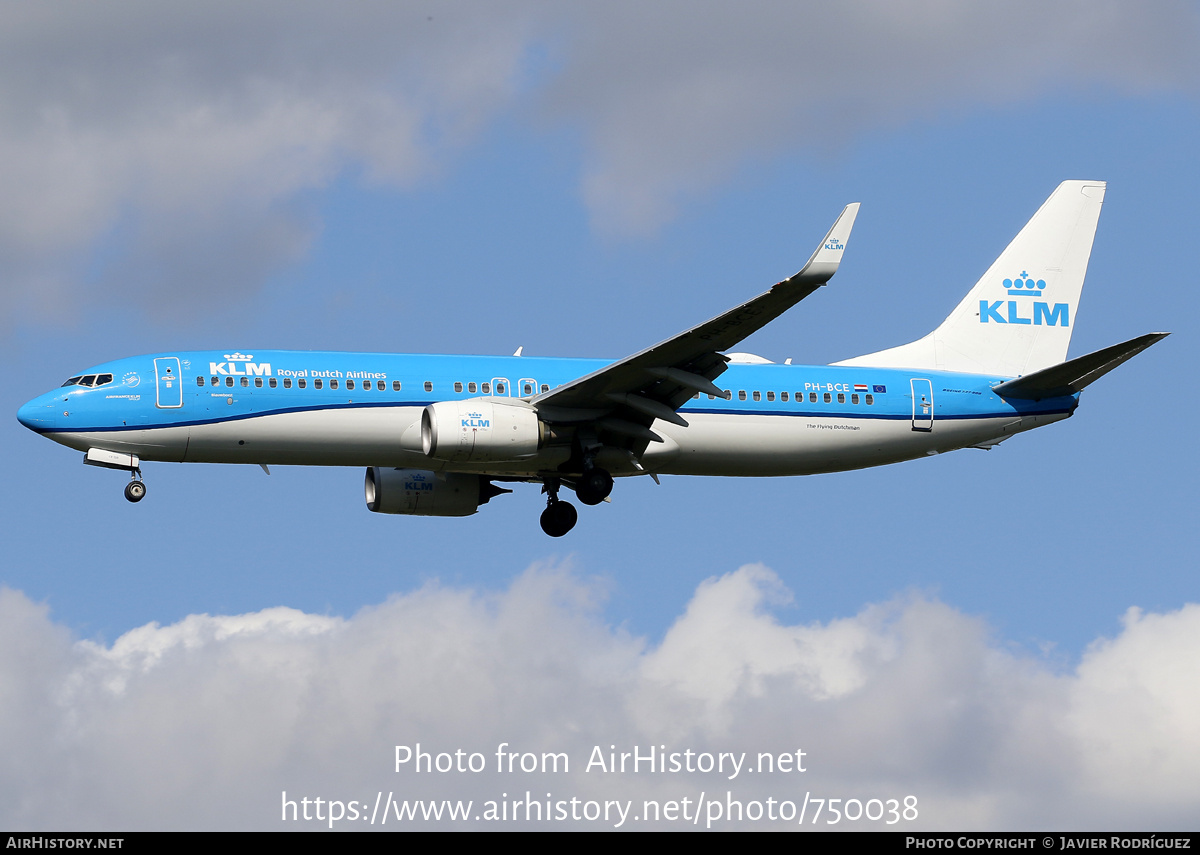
(438, 433)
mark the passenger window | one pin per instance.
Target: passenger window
(528, 389)
(229, 382)
(258, 382)
(245, 382)
(472, 388)
(333, 384)
(499, 388)
(783, 396)
(395, 385)
(199, 381)
(870, 400)
(457, 386)
(757, 395)
(349, 384)
(741, 394)
(696, 396)
(841, 398)
(854, 399)
(812, 397)
(273, 382)
(287, 382)
(545, 388)
(770, 396)
(317, 383)
(728, 394)
(301, 383)
(428, 386)
(712, 397)
(828, 399)
(215, 381)
(487, 388)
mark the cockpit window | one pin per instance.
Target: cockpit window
(90, 380)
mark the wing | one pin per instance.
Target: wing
(623, 399)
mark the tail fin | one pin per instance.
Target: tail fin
(1018, 318)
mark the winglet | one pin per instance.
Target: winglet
(824, 262)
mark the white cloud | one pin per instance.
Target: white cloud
(186, 136)
(204, 724)
(177, 144)
(676, 96)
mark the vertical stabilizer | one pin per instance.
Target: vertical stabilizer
(1018, 318)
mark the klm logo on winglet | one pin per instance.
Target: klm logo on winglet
(834, 243)
(1024, 286)
(476, 420)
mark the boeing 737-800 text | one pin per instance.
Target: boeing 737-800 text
(437, 433)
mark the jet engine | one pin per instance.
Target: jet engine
(479, 430)
(420, 492)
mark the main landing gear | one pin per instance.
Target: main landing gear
(595, 486)
(135, 490)
(592, 488)
(559, 517)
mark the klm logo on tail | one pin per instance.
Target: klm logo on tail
(1024, 286)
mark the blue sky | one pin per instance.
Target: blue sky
(559, 181)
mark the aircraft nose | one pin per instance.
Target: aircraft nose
(38, 414)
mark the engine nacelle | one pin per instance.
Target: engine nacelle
(479, 430)
(427, 494)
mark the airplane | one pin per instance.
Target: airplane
(438, 433)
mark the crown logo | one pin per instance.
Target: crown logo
(239, 355)
(1024, 286)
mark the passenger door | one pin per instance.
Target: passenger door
(168, 382)
(922, 395)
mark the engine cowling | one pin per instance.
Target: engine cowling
(479, 430)
(419, 492)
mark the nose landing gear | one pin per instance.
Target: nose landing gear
(135, 490)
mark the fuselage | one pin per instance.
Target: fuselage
(364, 409)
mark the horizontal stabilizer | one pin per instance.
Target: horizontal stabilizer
(1072, 376)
